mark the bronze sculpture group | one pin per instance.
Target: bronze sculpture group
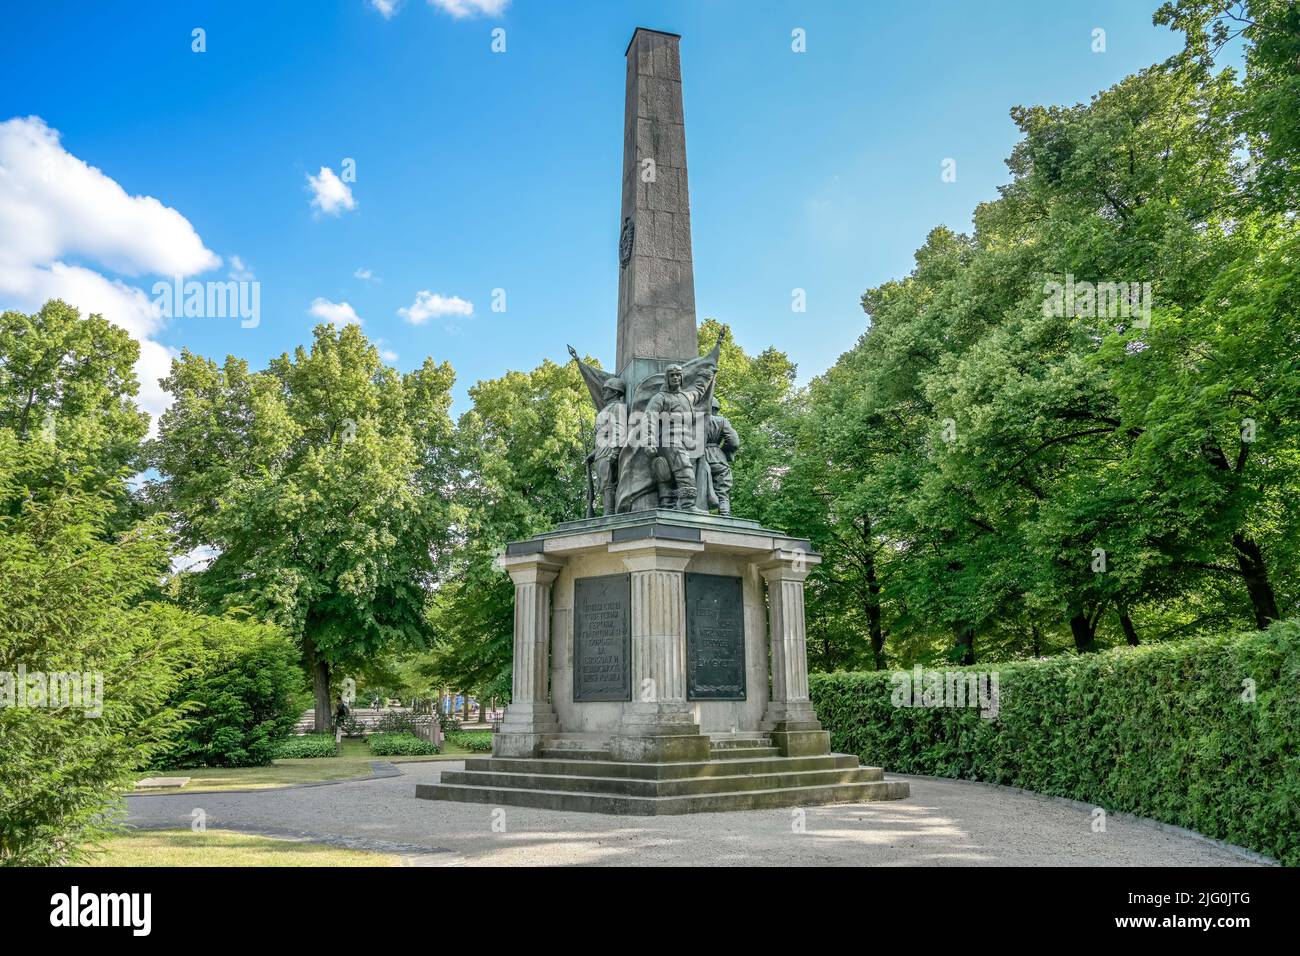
(665, 446)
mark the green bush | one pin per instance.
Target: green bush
(474, 742)
(399, 745)
(1163, 731)
(305, 745)
(74, 602)
(238, 696)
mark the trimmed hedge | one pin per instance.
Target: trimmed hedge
(306, 745)
(1161, 731)
(399, 745)
(475, 742)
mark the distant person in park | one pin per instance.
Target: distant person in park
(340, 717)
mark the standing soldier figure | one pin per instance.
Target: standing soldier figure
(611, 427)
(720, 448)
(670, 436)
(607, 393)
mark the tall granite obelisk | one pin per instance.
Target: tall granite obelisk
(656, 282)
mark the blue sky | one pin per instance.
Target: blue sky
(478, 170)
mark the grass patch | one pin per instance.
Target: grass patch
(226, 848)
(352, 763)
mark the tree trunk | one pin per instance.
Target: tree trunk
(965, 635)
(1084, 633)
(1033, 635)
(873, 617)
(1255, 573)
(1130, 632)
(320, 685)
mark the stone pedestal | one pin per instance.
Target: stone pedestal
(529, 715)
(658, 720)
(661, 668)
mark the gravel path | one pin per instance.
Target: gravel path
(943, 823)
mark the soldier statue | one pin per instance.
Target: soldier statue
(673, 435)
(720, 449)
(607, 392)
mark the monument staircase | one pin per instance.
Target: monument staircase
(743, 772)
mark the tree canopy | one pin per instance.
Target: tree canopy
(321, 487)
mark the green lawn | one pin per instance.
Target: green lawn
(352, 762)
(226, 848)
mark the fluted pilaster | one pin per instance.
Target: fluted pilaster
(790, 712)
(530, 713)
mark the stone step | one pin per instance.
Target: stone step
(657, 806)
(660, 771)
(743, 753)
(573, 753)
(733, 743)
(687, 786)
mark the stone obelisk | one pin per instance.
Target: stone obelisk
(656, 283)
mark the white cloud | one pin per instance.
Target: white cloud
(471, 8)
(330, 194)
(238, 271)
(366, 275)
(388, 355)
(429, 305)
(53, 206)
(386, 8)
(340, 313)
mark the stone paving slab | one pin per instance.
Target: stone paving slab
(943, 823)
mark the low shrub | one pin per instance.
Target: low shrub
(399, 745)
(474, 742)
(306, 745)
(1203, 733)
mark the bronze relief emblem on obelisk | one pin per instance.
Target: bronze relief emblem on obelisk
(625, 240)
